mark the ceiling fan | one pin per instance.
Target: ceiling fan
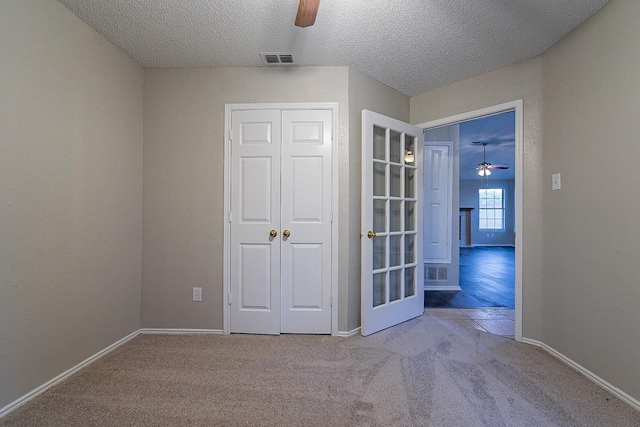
(307, 11)
(484, 168)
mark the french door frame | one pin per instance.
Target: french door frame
(226, 269)
(517, 107)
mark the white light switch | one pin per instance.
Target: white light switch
(197, 294)
(555, 181)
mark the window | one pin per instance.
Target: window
(491, 212)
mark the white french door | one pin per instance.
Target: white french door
(392, 267)
(280, 221)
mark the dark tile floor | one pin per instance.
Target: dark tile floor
(487, 279)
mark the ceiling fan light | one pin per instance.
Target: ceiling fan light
(481, 172)
(409, 157)
(487, 172)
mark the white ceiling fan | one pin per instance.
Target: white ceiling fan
(484, 168)
(307, 11)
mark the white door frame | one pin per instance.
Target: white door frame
(226, 277)
(516, 106)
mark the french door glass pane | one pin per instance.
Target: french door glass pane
(395, 218)
(409, 250)
(409, 216)
(379, 289)
(395, 285)
(395, 185)
(409, 183)
(395, 251)
(379, 252)
(379, 143)
(409, 279)
(379, 216)
(395, 147)
(409, 150)
(379, 179)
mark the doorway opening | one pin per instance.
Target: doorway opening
(482, 280)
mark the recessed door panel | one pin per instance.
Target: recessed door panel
(255, 133)
(255, 187)
(306, 284)
(255, 274)
(307, 133)
(307, 172)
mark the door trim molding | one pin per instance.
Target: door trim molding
(516, 106)
(226, 265)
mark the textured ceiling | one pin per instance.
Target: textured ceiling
(410, 45)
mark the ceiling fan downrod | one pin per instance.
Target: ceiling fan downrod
(307, 11)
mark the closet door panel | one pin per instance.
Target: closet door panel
(306, 215)
(255, 216)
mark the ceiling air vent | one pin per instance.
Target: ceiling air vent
(272, 58)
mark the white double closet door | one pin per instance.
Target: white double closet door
(280, 221)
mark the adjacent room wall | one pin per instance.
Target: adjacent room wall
(449, 134)
(519, 81)
(70, 191)
(590, 229)
(183, 179)
(364, 93)
(469, 199)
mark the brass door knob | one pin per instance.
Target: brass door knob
(286, 233)
(273, 233)
(371, 234)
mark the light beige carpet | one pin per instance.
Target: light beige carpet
(425, 372)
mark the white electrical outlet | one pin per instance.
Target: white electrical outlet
(555, 181)
(197, 294)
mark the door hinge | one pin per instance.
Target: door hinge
(331, 300)
(229, 300)
(229, 217)
(230, 135)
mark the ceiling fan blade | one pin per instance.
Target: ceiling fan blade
(307, 11)
(499, 166)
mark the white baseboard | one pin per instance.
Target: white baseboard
(151, 331)
(442, 288)
(46, 386)
(634, 403)
(348, 334)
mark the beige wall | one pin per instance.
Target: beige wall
(183, 178)
(591, 231)
(70, 191)
(580, 276)
(364, 93)
(520, 81)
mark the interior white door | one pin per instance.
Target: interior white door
(437, 202)
(306, 221)
(255, 221)
(280, 255)
(391, 250)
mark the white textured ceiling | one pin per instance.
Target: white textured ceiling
(410, 45)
